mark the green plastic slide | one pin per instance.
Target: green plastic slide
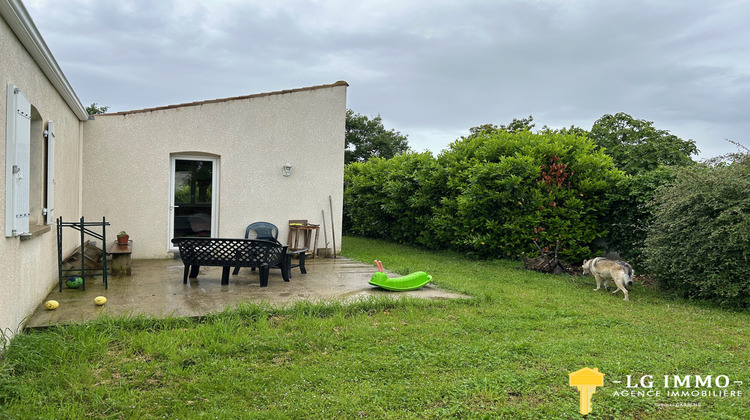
(408, 282)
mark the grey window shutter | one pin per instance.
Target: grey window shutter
(18, 162)
(50, 209)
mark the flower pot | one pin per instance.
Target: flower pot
(123, 240)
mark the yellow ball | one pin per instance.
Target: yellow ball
(100, 300)
(51, 304)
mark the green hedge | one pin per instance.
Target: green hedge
(630, 213)
(490, 195)
(390, 198)
(698, 242)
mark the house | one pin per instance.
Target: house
(206, 168)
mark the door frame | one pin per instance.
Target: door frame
(214, 194)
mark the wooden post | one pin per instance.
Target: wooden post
(333, 227)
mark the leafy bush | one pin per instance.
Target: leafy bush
(698, 242)
(630, 215)
(506, 190)
(390, 198)
(491, 194)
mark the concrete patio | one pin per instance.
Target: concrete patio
(155, 289)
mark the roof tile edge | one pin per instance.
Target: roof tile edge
(233, 98)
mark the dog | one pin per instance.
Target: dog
(603, 269)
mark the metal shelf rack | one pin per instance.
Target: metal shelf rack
(85, 228)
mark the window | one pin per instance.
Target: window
(29, 174)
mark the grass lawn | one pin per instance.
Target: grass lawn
(505, 353)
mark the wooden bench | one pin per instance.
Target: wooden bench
(228, 253)
(121, 258)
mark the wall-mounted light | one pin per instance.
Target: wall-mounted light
(287, 169)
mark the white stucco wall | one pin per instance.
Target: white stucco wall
(126, 163)
(28, 268)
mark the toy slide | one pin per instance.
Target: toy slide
(401, 284)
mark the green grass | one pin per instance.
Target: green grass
(505, 353)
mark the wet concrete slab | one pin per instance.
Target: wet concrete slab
(155, 289)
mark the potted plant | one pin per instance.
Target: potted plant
(123, 238)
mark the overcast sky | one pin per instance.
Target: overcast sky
(431, 69)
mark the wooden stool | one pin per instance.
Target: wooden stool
(299, 228)
(121, 258)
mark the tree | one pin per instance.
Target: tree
(573, 130)
(636, 146)
(515, 126)
(94, 109)
(524, 124)
(366, 138)
(742, 154)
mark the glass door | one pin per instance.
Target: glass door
(193, 197)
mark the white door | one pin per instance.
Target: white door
(193, 197)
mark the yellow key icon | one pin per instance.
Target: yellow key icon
(586, 380)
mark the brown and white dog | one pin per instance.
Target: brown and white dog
(603, 269)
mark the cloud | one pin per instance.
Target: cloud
(430, 69)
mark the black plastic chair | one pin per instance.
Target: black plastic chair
(262, 230)
(269, 232)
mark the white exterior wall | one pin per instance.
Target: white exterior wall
(126, 163)
(28, 268)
